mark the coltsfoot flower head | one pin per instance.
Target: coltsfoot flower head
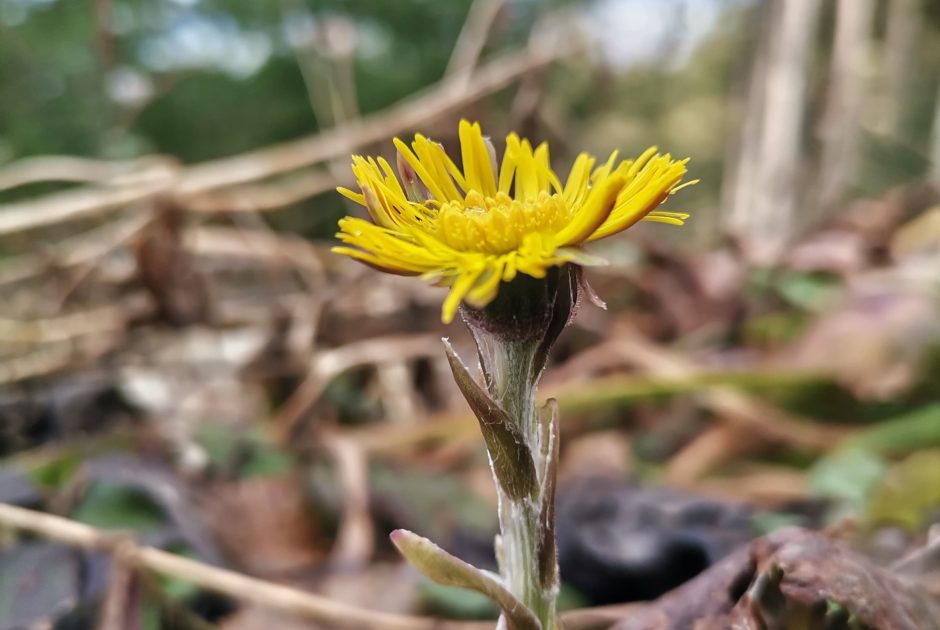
(476, 227)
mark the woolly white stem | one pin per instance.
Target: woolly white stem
(512, 383)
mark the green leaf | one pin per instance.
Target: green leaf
(911, 431)
(848, 474)
(456, 603)
(510, 456)
(111, 506)
(263, 459)
(448, 570)
(435, 501)
(909, 492)
(56, 472)
(809, 292)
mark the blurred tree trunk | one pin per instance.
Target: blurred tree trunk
(761, 192)
(900, 43)
(934, 155)
(840, 126)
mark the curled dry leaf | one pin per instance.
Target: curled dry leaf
(779, 582)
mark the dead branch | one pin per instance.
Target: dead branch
(472, 38)
(253, 590)
(355, 539)
(439, 99)
(108, 319)
(78, 204)
(264, 197)
(66, 168)
(328, 364)
(267, 248)
(83, 248)
(242, 587)
(53, 358)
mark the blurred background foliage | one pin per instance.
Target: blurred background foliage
(114, 79)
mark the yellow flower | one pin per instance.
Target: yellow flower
(473, 228)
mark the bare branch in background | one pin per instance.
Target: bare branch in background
(356, 536)
(302, 604)
(77, 250)
(79, 204)
(328, 364)
(250, 167)
(105, 42)
(472, 39)
(268, 594)
(734, 407)
(53, 358)
(324, 46)
(265, 197)
(412, 112)
(65, 168)
(108, 319)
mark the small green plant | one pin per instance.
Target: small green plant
(506, 236)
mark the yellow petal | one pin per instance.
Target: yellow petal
(424, 174)
(596, 209)
(576, 187)
(487, 286)
(352, 195)
(471, 228)
(478, 172)
(464, 282)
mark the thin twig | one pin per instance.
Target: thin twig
(264, 197)
(252, 590)
(53, 358)
(76, 250)
(107, 319)
(328, 364)
(67, 168)
(715, 445)
(355, 538)
(577, 397)
(242, 587)
(472, 39)
(260, 247)
(78, 204)
(410, 113)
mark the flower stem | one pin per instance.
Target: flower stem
(518, 553)
(523, 541)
